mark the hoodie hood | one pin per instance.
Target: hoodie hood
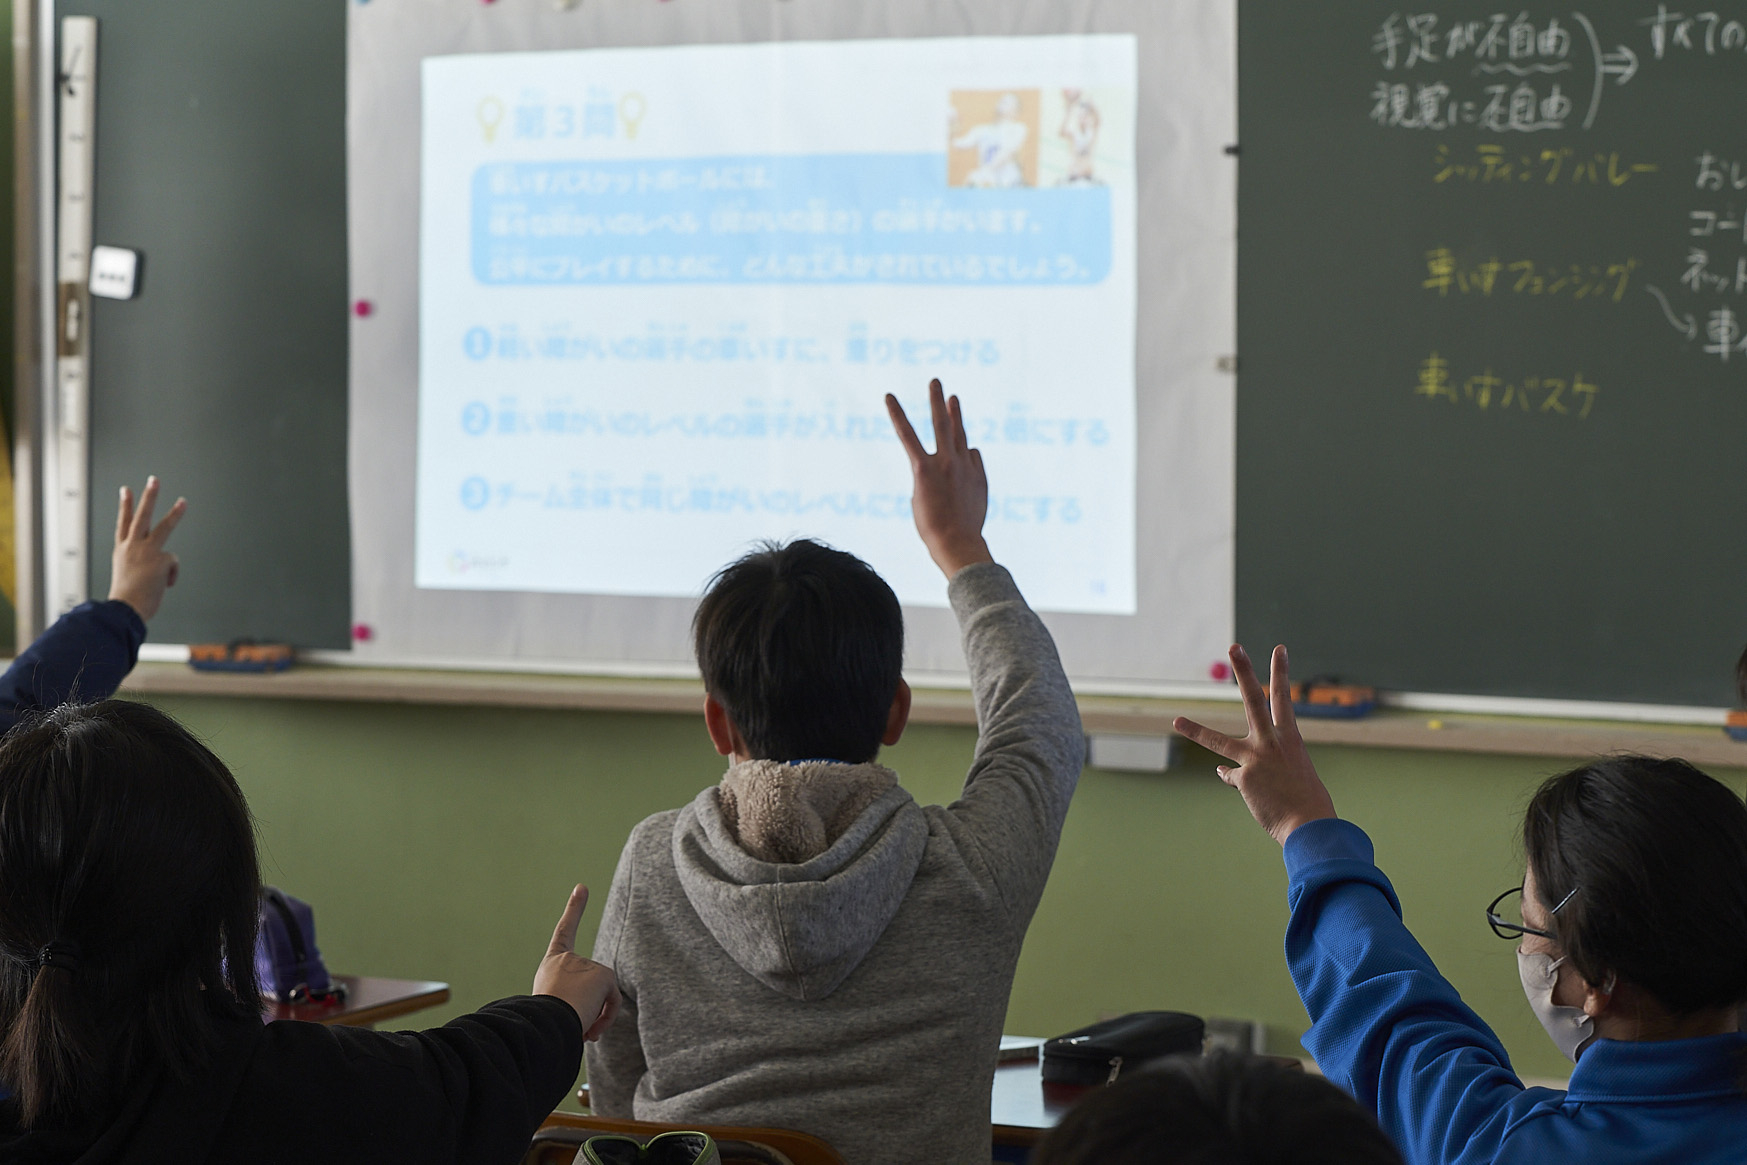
(799, 927)
(791, 811)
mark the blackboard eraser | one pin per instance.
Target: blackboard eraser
(1735, 724)
(241, 656)
(1329, 700)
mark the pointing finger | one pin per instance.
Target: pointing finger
(564, 934)
(906, 434)
(124, 515)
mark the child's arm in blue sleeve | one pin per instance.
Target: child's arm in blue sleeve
(85, 655)
(1384, 1024)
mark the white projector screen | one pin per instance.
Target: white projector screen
(667, 259)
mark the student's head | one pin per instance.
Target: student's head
(1217, 1110)
(1646, 862)
(802, 646)
(128, 906)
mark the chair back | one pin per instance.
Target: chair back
(562, 1134)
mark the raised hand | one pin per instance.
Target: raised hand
(589, 987)
(951, 496)
(1273, 770)
(140, 568)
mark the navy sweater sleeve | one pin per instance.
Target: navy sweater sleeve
(84, 656)
(471, 1092)
(1385, 1025)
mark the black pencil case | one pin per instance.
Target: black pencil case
(1100, 1053)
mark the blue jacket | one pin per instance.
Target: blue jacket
(1392, 1031)
(84, 657)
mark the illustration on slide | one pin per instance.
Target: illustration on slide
(999, 149)
(1080, 124)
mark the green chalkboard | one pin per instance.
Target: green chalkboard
(221, 157)
(1493, 387)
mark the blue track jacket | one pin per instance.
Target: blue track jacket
(83, 657)
(1392, 1031)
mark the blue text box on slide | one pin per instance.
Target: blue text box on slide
(784, 219)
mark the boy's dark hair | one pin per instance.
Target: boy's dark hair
(1221, 1109)
(129, 892)
(803, 646)
(1650, 859)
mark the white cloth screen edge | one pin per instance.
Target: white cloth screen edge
(1187, 298)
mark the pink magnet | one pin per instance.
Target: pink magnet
(363, 308)
(1220, 671)
(363, 632)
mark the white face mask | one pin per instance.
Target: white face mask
(1569, 1027)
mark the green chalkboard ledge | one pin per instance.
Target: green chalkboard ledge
(1456, 732)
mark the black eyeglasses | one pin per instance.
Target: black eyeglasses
(1505, 928)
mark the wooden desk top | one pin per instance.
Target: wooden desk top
(369, 1001)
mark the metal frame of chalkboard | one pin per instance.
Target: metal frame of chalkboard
(32, 63)
(42, 532)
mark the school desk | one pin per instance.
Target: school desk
(1021, 1107)
(369, 1001)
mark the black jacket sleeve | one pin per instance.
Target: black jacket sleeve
(84, 656)
(471, 1092)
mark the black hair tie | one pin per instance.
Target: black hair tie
(60, 954)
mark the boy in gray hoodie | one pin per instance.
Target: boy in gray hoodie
(803, 946)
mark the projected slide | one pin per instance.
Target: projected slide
(663, 291)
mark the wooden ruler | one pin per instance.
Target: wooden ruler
(67, 521)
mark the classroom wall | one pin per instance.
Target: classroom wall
(440, 843)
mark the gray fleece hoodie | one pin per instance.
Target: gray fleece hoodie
(857, 994)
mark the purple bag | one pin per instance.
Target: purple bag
(287, 962)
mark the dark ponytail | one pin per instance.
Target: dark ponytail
(53, 1039)
(1652, 857)
(1741, 678)
(128, 891)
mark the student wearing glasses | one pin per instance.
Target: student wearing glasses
(1631, 926)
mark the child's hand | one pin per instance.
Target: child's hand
(141, 568)
(1273, 771)
(951, 492)
(589, 987)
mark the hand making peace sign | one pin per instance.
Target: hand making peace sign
(951, 496)
(140, 568)
(1273, 772)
